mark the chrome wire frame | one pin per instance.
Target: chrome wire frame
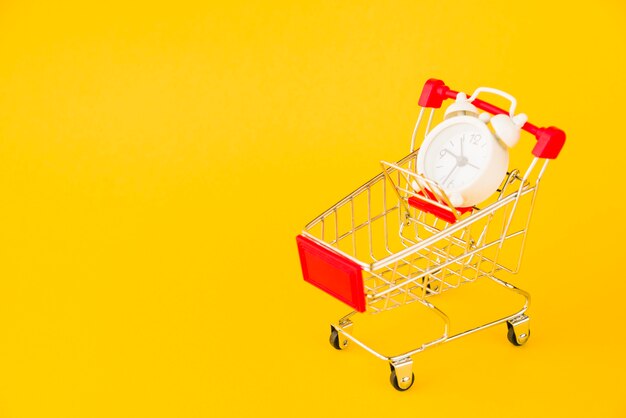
(408, 255)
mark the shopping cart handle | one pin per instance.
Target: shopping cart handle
(550, 140)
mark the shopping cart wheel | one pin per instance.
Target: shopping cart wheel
(339, 342)
(518, 330)
(405, 385)
(402, 376)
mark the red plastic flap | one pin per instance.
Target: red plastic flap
(443, 214)
(334, 274)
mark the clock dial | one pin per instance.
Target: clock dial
(463, 157)
(457, 156)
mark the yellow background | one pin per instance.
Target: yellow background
(157, 160)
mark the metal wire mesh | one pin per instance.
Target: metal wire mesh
(408, 254)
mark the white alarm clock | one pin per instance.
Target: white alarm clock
(463, 156)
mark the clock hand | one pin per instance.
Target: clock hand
(451, 153)
(460, 161)
(449, 174)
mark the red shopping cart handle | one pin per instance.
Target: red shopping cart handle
(550, 140)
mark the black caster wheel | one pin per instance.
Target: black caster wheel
(336, 341)
(513, 338)
(394, 381)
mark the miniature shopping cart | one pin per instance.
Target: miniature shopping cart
(397, 239)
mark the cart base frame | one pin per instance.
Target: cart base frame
(402, 376)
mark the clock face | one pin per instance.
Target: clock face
(464, 158)
(458, 154)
